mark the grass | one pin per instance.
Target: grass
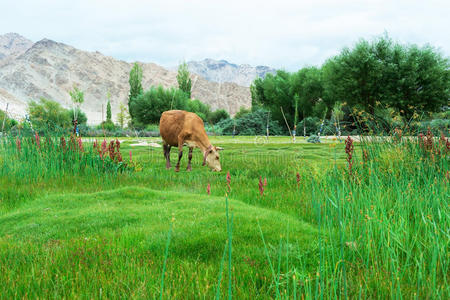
(381, 232)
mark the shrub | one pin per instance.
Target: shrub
(250, 124)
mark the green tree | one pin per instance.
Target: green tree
(135, 87)
(149, 106)
(376, 72)
(48, 115)
(184, 80)
(122, 115)
(77, 97)
(81, 116)
(108, 111)
(219, 115)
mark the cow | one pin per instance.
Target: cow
(179, 127)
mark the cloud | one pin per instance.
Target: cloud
(282, 34)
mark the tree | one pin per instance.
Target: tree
(81, 116)
(219, 115)
(149, 106)
(407, 78)
(184, 81)
(108, 111)
(77, 97)
(48, 115)
(122, 116)
(135, 86)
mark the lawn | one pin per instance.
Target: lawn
(316, 229)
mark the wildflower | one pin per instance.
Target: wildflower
(228, 182)
(38, 140)
(63, 143)
(104, 149)
(208, 188)
(117, 145)
(349, 150)
(131, 158)
(261, 185)
(80, 144)
(298, 179)
(18, 145)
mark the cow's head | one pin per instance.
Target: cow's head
(212, 158)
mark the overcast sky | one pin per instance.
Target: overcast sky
(280, 34)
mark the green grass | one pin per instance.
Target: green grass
(63, 244)
(382, 232)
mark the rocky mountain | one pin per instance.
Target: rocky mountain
(50, 69)
(223, 71)
(12, 45)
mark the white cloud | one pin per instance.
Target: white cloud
(288, 34)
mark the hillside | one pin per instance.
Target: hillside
(50, 69)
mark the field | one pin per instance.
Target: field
(301, 222)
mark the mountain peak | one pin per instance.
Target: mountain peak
(12, 45)
(224, 71)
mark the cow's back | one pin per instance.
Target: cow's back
(170, 126)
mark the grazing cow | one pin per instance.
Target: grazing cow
(179, 127)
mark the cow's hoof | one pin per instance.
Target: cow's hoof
(177, 169)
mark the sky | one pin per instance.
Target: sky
(280, 34)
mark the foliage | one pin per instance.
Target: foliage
(77, 97)
(108, 111)
(122, 115)
(183, 79)
(242, 111)
(218, 116)
(136, 89)
(81, 116)
(407, 78)
(9, 122)
(48, 115)
(250, 124)
(149, 106)
(201, 109)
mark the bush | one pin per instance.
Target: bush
(219, 115)
(48, 115)
(9, 122)
(148, 107)
(250, 124)
(81, 116)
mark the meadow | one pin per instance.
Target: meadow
(307, 221)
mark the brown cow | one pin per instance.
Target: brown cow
(178, 127)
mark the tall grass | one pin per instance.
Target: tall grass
(382, 216)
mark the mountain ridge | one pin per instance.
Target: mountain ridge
(50, 69)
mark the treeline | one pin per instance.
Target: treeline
(146, 107)
(377, 81)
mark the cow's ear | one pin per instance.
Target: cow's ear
(218, 148)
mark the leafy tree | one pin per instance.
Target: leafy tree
(81, 116)
(253, 123)
(122, 116)
(108, 111)
(135, 86)
(407, 78)
(184, 81)
(48, 115)
(218, 116)
(149, 106)
(77, 97)
(242, 112)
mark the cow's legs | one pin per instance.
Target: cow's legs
(167, 155)
(189, 168)
(180, 152)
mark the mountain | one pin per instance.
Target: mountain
(50, 69)
(223, 71)
(12, 45)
